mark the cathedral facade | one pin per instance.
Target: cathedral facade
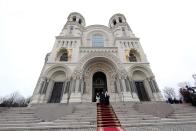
(86, 60)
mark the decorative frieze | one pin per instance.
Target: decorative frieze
(98, 49)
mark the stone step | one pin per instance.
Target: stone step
(138, 118)
(176, 117)
(131, 115)
(56, 128)
(128, 124)
(68, 116)
(70, 124)
(77, 120)
(155, 120)
(16, 116)
(184, 114)
(19, 121)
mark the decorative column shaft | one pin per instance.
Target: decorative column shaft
(133, 87)
(77, 85)
(127, 85)
(123, 85)
(151, 85)
(49, 91)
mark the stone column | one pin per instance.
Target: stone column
(123, 85)
(151, 85)
(119, 86)
(45, 86)
(48, 92)
(127, 85)
(157, 94)
(134, 90)
(73, 86)
(155, 85)
(126, 95)
(75, 95)
(77, 85)
(65, 93)
(148, 90)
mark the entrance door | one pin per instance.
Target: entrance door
(141, 91)
(56, 93)
(99, 84)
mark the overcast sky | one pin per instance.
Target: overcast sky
(166, 28)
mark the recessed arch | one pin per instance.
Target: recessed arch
(145, 69)
(141, 87)
(57, 68)
(106, 57)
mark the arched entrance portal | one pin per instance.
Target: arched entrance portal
(99, 84)
(139, 78)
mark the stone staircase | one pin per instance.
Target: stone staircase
(12, 118)
(130, 117)
(83, 116)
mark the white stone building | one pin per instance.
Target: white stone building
(86, 60)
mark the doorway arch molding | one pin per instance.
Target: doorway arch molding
(108, 57)
(99, 67)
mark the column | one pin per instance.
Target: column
(127, 85)
(73, 85)
(48, 92)
(155, 85)
(41, 85)
(75, 96)
(77, 85)
(151, 85)
(134, 91)
(119, 85)
(148, 90)
(123, 84)
(45, 86)
(65, 93)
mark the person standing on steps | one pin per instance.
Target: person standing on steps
(102, 98)
(98, 98)
(107, 97)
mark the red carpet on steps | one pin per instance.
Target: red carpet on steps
(107, 119)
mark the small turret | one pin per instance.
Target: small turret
(76, 18)
(74, 25)
(119, 26)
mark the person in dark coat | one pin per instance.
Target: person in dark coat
(102, 98)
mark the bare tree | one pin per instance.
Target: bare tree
(14, 100)
(169, 92)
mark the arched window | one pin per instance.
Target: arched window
(97, 40)
(74, 18)
(132, 57)
(120, 19)
(64, 56)
(114, 22)
(80, 21)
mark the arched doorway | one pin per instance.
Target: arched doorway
(139, 78)
(56, 92)
(99, 84)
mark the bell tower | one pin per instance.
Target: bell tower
(74, 25)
